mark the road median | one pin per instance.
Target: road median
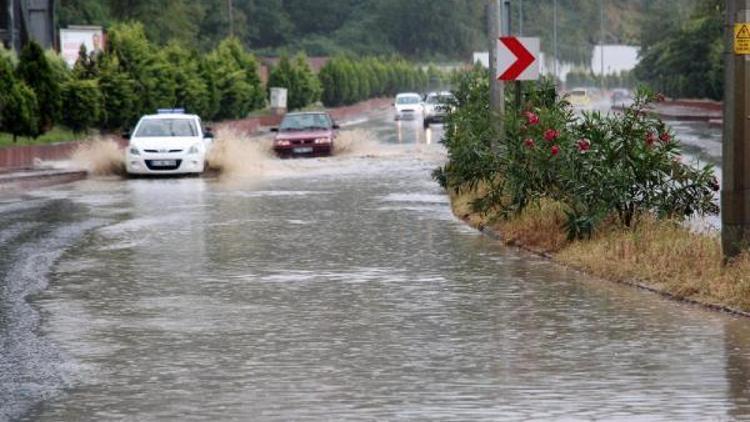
(607, 194)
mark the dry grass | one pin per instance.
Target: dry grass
(538, 227)
(669, 257)
(664, 255)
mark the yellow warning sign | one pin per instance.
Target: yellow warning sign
(742, 38)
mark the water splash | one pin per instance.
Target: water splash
(100, 157)
(235, 155)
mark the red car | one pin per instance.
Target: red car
(308, 134)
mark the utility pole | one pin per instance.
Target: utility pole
(735, 192)
(230, 12)
(497, 94)
(520, 18)
(554, 35)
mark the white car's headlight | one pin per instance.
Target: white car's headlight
(194, 149)
(134, 151)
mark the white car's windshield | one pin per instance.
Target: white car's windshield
(166, 128)
(439, 99)
(407, 100)
(293, 122)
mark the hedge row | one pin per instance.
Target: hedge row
(112, 89)
(346, 80)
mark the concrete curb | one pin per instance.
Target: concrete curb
(638, 284)
(34, 179)
(685, 111)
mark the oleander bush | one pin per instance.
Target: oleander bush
(614, 167)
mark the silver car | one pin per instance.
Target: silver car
(437, 105)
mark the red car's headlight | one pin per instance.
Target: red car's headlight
(323, 141)
(283, 143)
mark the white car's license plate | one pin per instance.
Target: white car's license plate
(163, 163)
(303, 150)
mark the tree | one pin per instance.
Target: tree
(191, 90)
(308, 87)
(301, 83)
(18, 104)
(237, 81)
(82, 104)
(34, 69)
(119, 94)
(140, 61)
(688, 61)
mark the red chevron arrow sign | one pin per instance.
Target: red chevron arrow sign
(517, 59)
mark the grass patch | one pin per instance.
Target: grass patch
(57, 134)
(661, 254)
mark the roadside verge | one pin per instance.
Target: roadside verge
(660, 257)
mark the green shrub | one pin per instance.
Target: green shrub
(82, 104)
(598, 166)
(37, 72)
(18, 104)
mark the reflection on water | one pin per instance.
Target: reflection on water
(347, 291)
(412, 131)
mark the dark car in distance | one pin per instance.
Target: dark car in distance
(310, 134)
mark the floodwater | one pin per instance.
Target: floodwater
(329, 289)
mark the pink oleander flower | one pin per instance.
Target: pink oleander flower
(551, 134)
(529, 143)
(531, 118)
(555, 150)
(583, 145)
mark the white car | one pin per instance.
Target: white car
(170, 142)
(408, 106)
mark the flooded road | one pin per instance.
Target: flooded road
(329, 289)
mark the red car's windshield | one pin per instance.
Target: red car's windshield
(296, 122)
